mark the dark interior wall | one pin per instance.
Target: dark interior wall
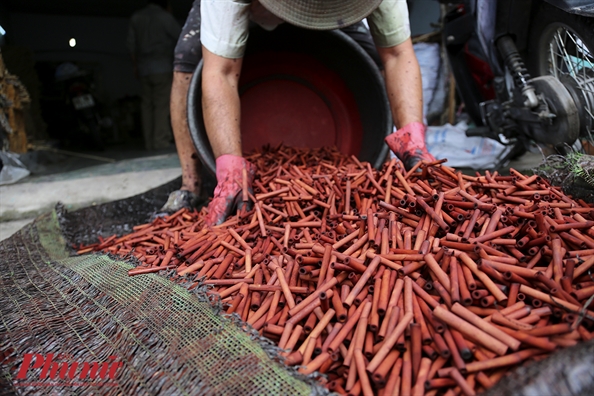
(3, 20)
(101, 44)
(101, 40)
(3, 14)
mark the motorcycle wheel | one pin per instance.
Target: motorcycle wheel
(562, 45)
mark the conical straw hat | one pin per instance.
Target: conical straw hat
(321, 14)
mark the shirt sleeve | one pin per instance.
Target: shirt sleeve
(224, 26)
(389, 24)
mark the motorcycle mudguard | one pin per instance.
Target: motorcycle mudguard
(580, 7)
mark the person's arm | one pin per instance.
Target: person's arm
(224, 32)
(220, 103)
(221, 113)
(403, 83)
(405, 93)
(390, 29)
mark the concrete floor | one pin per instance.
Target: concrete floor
(79, 182)
(8, 228)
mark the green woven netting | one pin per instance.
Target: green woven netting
(86, 309)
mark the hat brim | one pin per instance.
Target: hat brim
(321, 14)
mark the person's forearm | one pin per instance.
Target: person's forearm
(188, 156)
(403, 83)
(220, 103)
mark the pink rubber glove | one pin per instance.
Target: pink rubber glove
(227, 194)
(408, 143)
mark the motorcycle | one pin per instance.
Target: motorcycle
(524, 70)
(77, 87)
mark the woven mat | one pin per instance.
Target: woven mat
(87, 309)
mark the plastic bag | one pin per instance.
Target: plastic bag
(13, 169)
(450, 141)
(434, 78)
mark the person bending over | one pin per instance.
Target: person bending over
(217, 30)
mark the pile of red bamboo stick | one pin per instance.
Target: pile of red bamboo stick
(390, 282)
